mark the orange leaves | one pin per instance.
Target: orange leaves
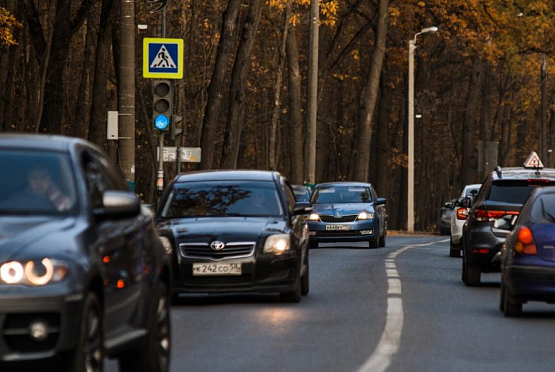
(7, 21)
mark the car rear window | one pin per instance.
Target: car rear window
(516, 192)
(342, 194)
(543, 210)
(223, 199)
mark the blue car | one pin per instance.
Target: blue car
(347, 212)
(528, 257)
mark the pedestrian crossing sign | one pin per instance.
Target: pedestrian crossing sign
(162, 58)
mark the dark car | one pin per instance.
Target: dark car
(236, 231)
(83, 274)
(347, 212)
(528, 258)
(503, 192)
(445, 217)
(302, 193)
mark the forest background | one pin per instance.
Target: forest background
(244, 93)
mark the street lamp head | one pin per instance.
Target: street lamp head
(429, 29)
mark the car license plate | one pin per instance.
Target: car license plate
(338, 227)
(218, 268)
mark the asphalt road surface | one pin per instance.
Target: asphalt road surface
(398, 308)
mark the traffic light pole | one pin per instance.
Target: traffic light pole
(160, 175)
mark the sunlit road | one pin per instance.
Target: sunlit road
(432, 321)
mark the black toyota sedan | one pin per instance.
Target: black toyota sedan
(236, 231)
(83, 273)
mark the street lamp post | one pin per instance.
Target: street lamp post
(410, 186)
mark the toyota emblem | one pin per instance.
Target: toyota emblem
(217, 245)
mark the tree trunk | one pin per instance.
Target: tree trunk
(217, 84)
(295, 109)
(382, 161)
(370, 95)
(232, 137)
(469, 145)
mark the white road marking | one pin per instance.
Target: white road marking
(389, 343)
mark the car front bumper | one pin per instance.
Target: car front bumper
(20, 307)
(263, 273)
(357, 231)
(530, 282)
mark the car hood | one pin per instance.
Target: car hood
(343, 209)
(226, 229)
(17, 234)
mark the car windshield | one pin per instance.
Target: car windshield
(543, 210)
(220, 199)
(301, 194)
(516, 192)
(471, 191)
(342, 194)
(36, 182)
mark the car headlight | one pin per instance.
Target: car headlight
(365, 216)
(168, 247)
(33, 273)
(277, 244)
(314, 217)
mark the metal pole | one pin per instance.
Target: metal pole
(313, 91)
(160, 176)
(127, 92)
(543, 134)
(410, 186)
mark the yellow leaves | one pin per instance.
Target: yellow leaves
(394, 14)
(7, 21)
(329, 12)
(421, 4)
(355, 54)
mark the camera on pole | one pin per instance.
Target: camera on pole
(161, 104)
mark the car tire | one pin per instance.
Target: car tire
(89, 351)
(502, 297)
(155, 357)
(305, 280)
(473, 276)
(374, 243)
(312, 245)
(382, 239)
(510, 307)
(454, 249)
(293, 296)
(444, 231)
(175, 298)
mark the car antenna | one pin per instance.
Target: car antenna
(499, 173)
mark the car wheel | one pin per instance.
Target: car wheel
(510, 306)
(463, 274)
(444, 230)
(473, 276)
(502, 297)
(294, 295)
(382, 239)
(312, 244)
(155, 357)
(305, 280)
(175, 298)
(89, 352)
(454, 249)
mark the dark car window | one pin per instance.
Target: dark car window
(36, 182)
(232, 198)
(301, 194)
(291, 199)
(516, 192)
(543, 210)
(342, 194)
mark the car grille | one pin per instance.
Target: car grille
(349, 218)
(219, 281)
(203, 250)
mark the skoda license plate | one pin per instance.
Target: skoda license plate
(218, 268)
(338, 227)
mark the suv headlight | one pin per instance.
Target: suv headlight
(365, 216)
(277, 244)
(33, 273)
(314, 217)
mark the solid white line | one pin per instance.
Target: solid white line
(390, 341)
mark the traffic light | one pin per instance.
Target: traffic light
(161, 104)
(175, 131)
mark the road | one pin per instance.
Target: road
(399, 308)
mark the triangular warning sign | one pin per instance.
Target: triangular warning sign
(533, 161)
(163, 59)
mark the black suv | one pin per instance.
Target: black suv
(503, 192)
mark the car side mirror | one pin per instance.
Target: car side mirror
(118, 204)
(302, 208)
(449, 205)
(381, 201)
(504, 223)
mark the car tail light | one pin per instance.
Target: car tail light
(462, 213)
(537, 180)
(525, 242)
(490, 216)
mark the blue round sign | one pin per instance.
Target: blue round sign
(161, 122)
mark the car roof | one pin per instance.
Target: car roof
(227, 175)
(520, 173)
(343, 183)
(40, 142)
